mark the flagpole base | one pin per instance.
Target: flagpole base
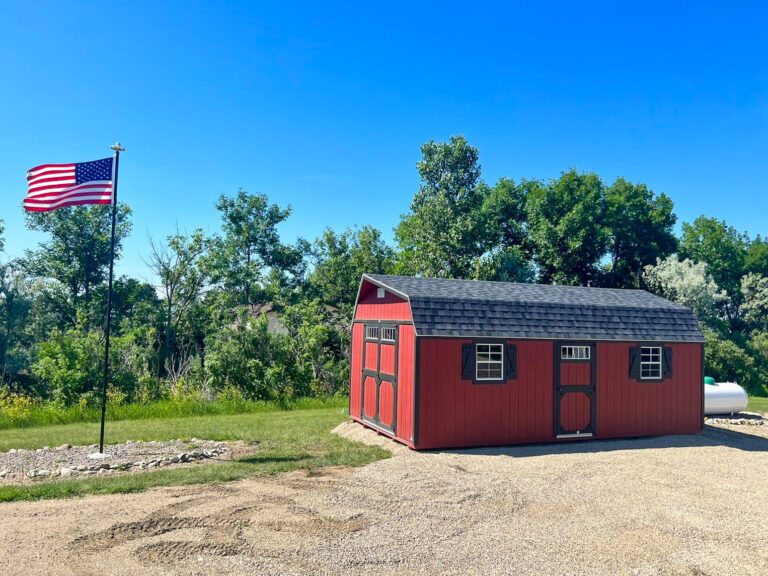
(98, 455)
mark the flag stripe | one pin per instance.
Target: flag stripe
(75, 198)
(63, 192)
(53, 183)
(50, 176)
(41, 208)
(49, 167)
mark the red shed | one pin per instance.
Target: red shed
(450, 363)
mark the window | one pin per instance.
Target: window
(489, 362)
(371, 332)
(650, 362)
(388, 334)
(380, 293)
(575, 352)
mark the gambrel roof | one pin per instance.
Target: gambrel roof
(474, 308)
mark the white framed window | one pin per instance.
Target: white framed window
(388, 334)
(371, 332)
(489, 361)
(575, 352)
(380, 293)
(650, 362)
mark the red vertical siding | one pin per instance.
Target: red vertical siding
(456, 412)
(387, 359)
(386, 403)
(369, 397)
(405, 376)
(356, 371)
(391, 307)
(626, 407)
(575, 373)
(371, 355)
(575, 409)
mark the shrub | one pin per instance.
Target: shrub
(70, 365)
(725, 360)
(14, 408)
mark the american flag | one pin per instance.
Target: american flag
(53, 186)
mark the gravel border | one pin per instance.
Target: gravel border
(28, 465)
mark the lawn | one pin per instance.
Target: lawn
(758, 404)
(288, 440)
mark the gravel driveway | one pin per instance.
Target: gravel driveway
(688, 505)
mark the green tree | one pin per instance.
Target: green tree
(756, 258)
(341, 259)
(249, 255)
(640, 227)
(443, 233)
(320, 344)
(15, 307)
(179, 266)
(566, 220)
(724, 250)
(727, 361)
(503, 217)
(77, 252)
(504, 213)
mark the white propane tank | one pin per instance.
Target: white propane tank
(724, 398)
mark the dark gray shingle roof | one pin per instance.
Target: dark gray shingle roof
(474, 308)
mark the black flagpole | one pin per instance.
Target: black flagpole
(117, 148)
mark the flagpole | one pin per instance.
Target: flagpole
(117, 148)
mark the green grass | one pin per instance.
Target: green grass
(758, 404)
(46, 414)
(288, 440)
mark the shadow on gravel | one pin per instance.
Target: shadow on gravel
(711, 436)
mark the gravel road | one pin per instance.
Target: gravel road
(692, 505)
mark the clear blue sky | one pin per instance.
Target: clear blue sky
(324, 106)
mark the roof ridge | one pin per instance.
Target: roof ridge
(505, 283)
(673, 305)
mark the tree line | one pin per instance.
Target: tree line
(243, 314)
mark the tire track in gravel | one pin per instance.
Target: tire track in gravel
(227, 531)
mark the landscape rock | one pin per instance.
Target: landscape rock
(66, 460)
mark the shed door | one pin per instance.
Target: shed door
(575, 387)
(379, 393)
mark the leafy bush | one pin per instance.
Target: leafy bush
(246, 357)
(70, 364)
(726, 361)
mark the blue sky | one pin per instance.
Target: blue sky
(324, 106)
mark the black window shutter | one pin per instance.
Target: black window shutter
(468, 362)
(666, 363)
(634, 363)
(510, 363)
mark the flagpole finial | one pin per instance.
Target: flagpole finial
(117, 148)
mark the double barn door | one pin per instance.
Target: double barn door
(575, 384)
(379, 390)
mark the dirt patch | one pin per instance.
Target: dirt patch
(669, 505)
